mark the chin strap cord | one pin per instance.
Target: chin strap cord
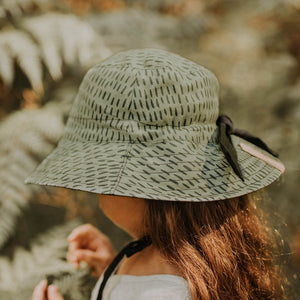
(129, 250)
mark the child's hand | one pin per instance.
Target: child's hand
(43, 292)
(87, 243)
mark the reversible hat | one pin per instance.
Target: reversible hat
(144, 124)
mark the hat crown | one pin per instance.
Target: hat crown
(148, 87)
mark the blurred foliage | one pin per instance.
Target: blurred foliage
(46, 46)
(43, 259)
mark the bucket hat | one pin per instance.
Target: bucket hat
(144, 124)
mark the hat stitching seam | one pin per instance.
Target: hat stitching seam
(128, 148)
(128, 66)
(226, 174)
(253, 185)
(123, 164)
(139, 142)
(145, 124)
(210, 198)
(131, 99)
(197, 169)
(210, 143)
(189, 71)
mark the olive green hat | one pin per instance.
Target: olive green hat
(143, 124)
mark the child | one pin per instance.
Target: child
(145, 134)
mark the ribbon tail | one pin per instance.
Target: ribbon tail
(229, 150)
(254, 140)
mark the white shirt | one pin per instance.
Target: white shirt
(149, 287)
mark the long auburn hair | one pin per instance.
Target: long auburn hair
(220, 247)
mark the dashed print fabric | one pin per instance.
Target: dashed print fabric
(143, 124)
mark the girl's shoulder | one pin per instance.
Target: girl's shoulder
(131, 287)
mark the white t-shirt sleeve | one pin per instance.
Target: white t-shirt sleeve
(158, 287)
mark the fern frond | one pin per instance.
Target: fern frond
(59, 39)
(16, 8)
(17, 46)
(46, 257)
(6, 65)
(59, 33)
(12, 7)
(26, 137)
(81, 280)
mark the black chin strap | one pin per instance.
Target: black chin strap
(129, 250)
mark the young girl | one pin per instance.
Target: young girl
(145, 134)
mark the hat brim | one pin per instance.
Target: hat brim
(173, 170)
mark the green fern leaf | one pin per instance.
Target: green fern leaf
(16, 8)
(59, 33)
(17, 46)
(46, 257)
(26, 138)
(6, 64)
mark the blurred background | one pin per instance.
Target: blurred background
(253, 47)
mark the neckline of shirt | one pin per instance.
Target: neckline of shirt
(166, 277)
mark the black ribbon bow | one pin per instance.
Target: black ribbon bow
(225, 130)
(128, 250)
